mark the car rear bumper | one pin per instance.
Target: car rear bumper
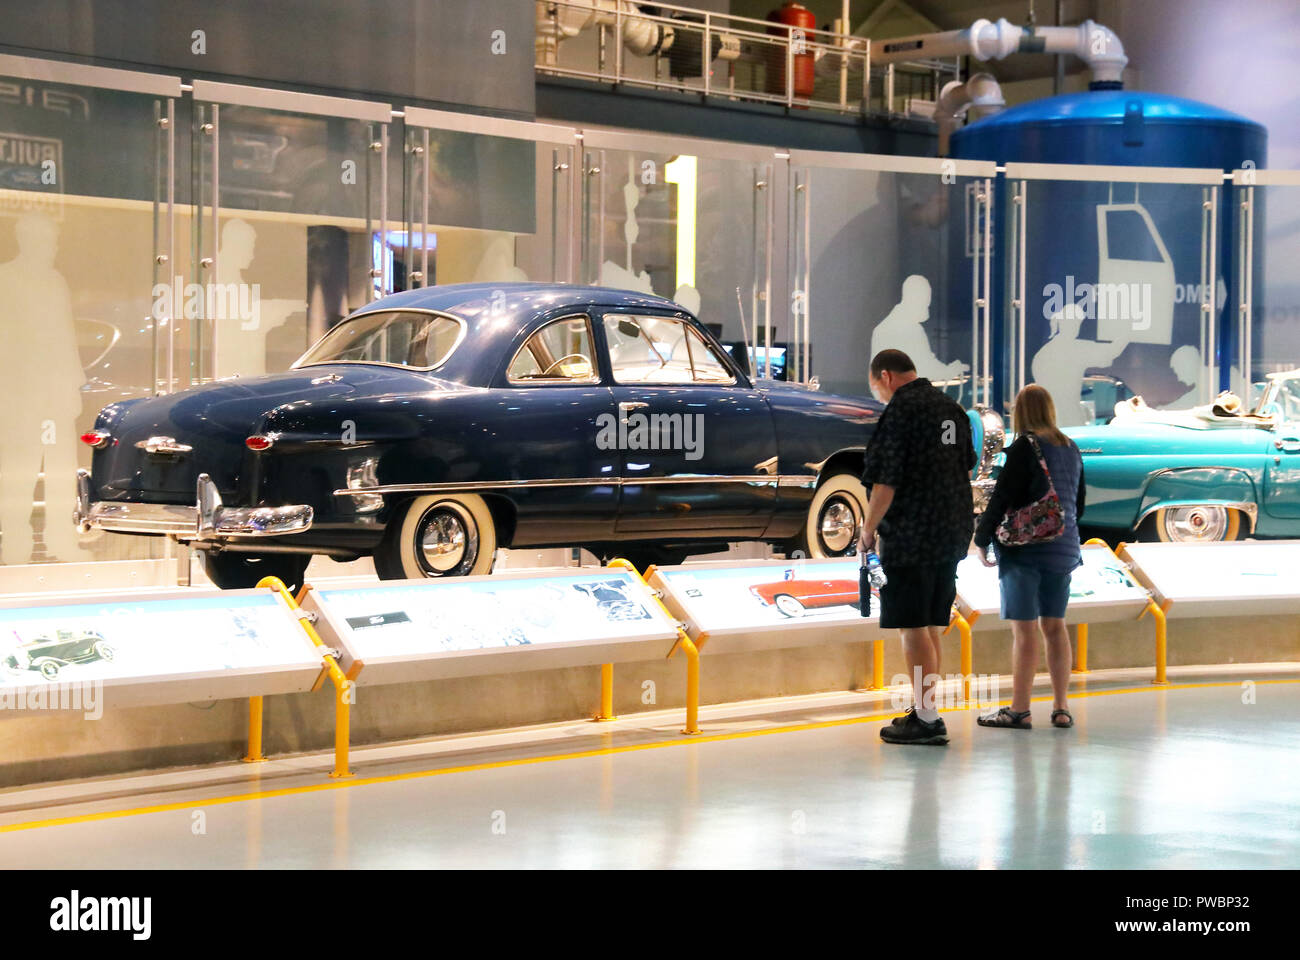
(208, 519)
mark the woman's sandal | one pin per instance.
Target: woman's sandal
(1006, 717)
(1069, 720)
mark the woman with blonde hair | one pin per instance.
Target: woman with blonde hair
(1035, 576)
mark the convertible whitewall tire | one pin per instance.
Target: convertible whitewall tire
(446, 535)
(834, 517)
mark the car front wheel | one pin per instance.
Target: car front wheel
(789, 605)
(438, 536)
(834, 518)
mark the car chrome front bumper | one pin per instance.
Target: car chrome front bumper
(208, 519)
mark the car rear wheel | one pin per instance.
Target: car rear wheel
(232, 570)
(789, 605)
(1200, 523)
(438, 536)
(834, 518)
(103, 651)
(49, 670)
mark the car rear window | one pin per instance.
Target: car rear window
(399, 338)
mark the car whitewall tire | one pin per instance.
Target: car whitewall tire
(438, 536)
(834, 517)
(1210, 523)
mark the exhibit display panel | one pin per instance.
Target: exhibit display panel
(151, 647)
(401, 631)
(891, 252)
(754, 605)
(1241, 578)
(1101, 590)
(1114, 287)
(86, 211)
(483, 200)
(690, 220)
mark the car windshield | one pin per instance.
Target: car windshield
(1286, 399)
(396, 338)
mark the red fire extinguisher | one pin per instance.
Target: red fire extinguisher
(802, 20)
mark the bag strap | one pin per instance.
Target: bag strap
(1042, 462)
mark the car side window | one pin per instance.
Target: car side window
(660, 350)
(559, 352)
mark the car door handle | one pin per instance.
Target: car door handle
(1288, 444)
(624, 408)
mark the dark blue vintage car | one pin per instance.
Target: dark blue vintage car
(434, 426)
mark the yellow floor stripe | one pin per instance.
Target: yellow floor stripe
(579, 755)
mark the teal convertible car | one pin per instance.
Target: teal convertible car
(1210, 473)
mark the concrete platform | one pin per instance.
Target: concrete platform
(1200, 773)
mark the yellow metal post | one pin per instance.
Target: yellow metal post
(963, 628)
(878, 664)
(685, 643)
(254, 731)
(1081, 648)
(692, 684)
(606, 692)
(1162, 639)
(342, 686)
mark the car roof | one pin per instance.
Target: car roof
(524, 300)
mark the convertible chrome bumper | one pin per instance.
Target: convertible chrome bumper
(208, 519)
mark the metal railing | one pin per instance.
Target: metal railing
(763, 60)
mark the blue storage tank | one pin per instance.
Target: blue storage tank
(1153, 231)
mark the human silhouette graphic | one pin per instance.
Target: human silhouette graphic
(903, 329)
(42, 375)
(1186, 365)
(247, 319)
(1061, 363)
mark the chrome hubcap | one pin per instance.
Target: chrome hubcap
(1196, 523)
(447, 541)
(839, 525)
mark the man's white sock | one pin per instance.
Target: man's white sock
(928, 715)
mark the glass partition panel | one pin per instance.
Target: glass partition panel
(675, 221)
(486, 200)
(289, 232)
(84, 219)
(1114, 288)
(1268, 247)
(891, 259)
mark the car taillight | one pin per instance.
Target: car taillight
(95, 438)
(258, 442)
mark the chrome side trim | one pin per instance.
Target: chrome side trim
(759, 480)
(1251, 510)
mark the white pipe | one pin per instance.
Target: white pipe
(1096, 45)
(641, 36)
(981, 94)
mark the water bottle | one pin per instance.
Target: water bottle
(875, 573)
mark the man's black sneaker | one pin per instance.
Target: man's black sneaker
(912, 729)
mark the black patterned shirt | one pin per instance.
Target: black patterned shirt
(922, 447)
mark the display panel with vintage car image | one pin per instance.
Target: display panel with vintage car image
(433, 426)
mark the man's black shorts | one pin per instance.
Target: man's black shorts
(919, 595)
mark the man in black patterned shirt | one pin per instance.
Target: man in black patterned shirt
(917, 476)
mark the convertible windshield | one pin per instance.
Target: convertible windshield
(397, 338)
(1286, 398)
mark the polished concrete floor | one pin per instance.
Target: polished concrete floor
(1186, 776)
